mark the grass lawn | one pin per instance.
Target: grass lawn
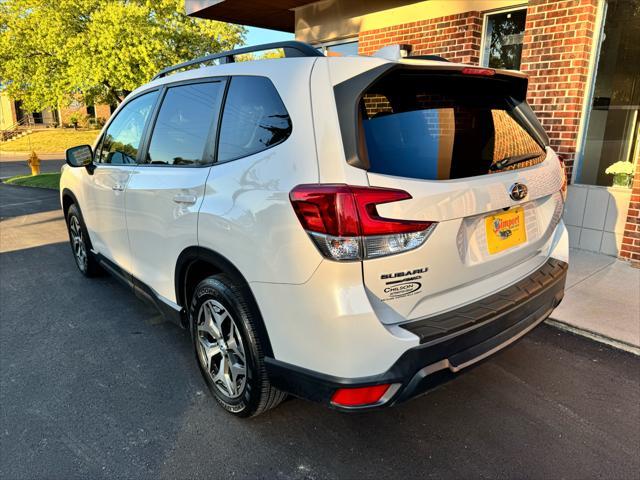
(50, 141)
(44, 180)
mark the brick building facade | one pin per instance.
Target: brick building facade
(11, 114)
(558, 48)
(630, 249)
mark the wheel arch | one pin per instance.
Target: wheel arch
(69, 198)
(194, 264)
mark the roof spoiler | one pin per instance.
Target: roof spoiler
(349, 92)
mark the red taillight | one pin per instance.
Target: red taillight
(329, 209)
(371, 223)
(343, 210)
(484, 72)
(344, 223)
(358, 397)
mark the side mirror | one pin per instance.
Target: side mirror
(80, 156)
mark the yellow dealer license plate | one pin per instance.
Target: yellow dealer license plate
(505, 230)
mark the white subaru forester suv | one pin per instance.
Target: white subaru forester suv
(349, 230)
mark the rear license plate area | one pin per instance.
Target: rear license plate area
(505, 230)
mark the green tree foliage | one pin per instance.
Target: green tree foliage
(99, 50)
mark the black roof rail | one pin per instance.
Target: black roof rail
(291, 48)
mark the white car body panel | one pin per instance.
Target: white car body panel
(162, 221)
(104, 210)
(246, 215)
(328, 324)
(451, 253)
(335, 310)
(321, 315)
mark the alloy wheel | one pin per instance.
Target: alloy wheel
(220, 349)
(77, 243)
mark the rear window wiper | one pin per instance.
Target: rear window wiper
(508, 161)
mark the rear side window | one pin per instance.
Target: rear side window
(254, 118)
(440, 127)
(183, 131)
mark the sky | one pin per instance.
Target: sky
(257, 36)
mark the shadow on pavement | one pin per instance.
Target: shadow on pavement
(16, 200)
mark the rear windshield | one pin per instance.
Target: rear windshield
(444, 126)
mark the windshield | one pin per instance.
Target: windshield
(440, 127)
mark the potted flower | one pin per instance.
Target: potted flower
(622, 172)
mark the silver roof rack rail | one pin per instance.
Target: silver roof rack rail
(291, 49)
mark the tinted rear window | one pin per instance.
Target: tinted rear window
(439, 127)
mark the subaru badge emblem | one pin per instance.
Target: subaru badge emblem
(518, 191)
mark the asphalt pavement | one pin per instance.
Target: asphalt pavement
(12, 164)
(95, 384)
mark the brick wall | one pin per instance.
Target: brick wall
(67, 112)
(455, 37)
(556, 51)
(103, 111)
(630, 249)
(557, 48)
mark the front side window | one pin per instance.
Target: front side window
(503, 38)
(254, 118)
(122, 140)
(183, 133)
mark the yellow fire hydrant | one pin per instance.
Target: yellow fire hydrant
(34, 163)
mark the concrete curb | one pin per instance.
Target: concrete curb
(594, 336)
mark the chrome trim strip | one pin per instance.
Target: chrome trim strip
(444, 364)
(166, 301)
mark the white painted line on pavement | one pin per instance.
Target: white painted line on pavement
(21, 203)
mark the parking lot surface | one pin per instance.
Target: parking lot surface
(10, 167)
(95, 384)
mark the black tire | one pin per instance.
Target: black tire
(87, 264)
(256, 395)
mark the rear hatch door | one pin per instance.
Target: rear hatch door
(469, 151)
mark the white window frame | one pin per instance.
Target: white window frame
(594, 59)
(483, 56)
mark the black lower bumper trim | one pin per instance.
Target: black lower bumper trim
(520, 308)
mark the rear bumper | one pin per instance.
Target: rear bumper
(448, 343)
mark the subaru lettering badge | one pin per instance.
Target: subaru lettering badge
(518, 191)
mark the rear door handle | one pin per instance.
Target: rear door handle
(185, 199)
(118, 187)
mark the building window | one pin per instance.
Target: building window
(612, 141)
(340, 48)
(502, 41)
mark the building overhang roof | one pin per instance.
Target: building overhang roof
(273, 14)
